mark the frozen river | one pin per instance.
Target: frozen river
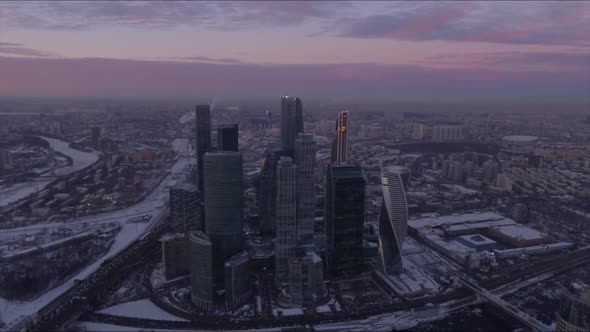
(80, 160)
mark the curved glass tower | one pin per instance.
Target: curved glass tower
(393, 217)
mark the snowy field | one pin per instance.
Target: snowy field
(21, 190)
(12, 310)
(80, 160)
(140, 309)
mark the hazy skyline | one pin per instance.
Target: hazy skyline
(324, 48)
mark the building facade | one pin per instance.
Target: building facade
(238, 289)
(306, 279)
(227, 137)
(340, 152)
(202, 290)
(175, 255)
(393, 217)
(223, 207)
(447, 132)
(305, 154)
(286, 218)
(203, 137)
(266, 194)
(291, 121)
(185, 208)
(344, 217)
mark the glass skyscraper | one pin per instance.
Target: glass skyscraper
(203, 136)
(345, 209)
(393, 217)
(291, 122)
(223, 207)
(286, 217)
(227, 137)
(305, 151)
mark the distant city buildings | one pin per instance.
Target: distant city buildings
(344, 218)
(447, 132)
(95, 137)
(227, 137)
(393, 217)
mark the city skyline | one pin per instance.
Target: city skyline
(420, 50)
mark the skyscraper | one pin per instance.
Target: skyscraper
(202, 293)
(266, 194)
(227, 137)
(185, 208)
(286, 217)
(393, 217)
(291, 122)
(223, 206)
(345, 208)
(237, 280)
(203, 136)
(340, 146)
(306, 279)
(305, 151)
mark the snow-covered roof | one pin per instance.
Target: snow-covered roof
(520, 232)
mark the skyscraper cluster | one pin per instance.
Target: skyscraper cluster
(219, 266)
(287, 204)
(294, 213)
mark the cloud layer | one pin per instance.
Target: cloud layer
(112, 77)
(524, 22)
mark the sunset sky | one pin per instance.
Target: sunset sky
(325, 48)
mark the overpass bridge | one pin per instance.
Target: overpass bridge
(505, 306)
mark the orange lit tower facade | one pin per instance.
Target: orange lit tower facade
(340, 144)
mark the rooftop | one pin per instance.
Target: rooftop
(520, 232)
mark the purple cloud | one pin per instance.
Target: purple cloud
(17, 49)
(501, 22)
(576, 60)
(205, 59)
(222, 15)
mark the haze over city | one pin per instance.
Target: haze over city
(295, 166)
(326, 48)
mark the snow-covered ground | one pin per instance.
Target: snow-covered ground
(460, 189)
(182, 146)
(80, 160)
(140, 309)
(11, 310)
(20, 190)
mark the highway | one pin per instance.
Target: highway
(155, 204)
